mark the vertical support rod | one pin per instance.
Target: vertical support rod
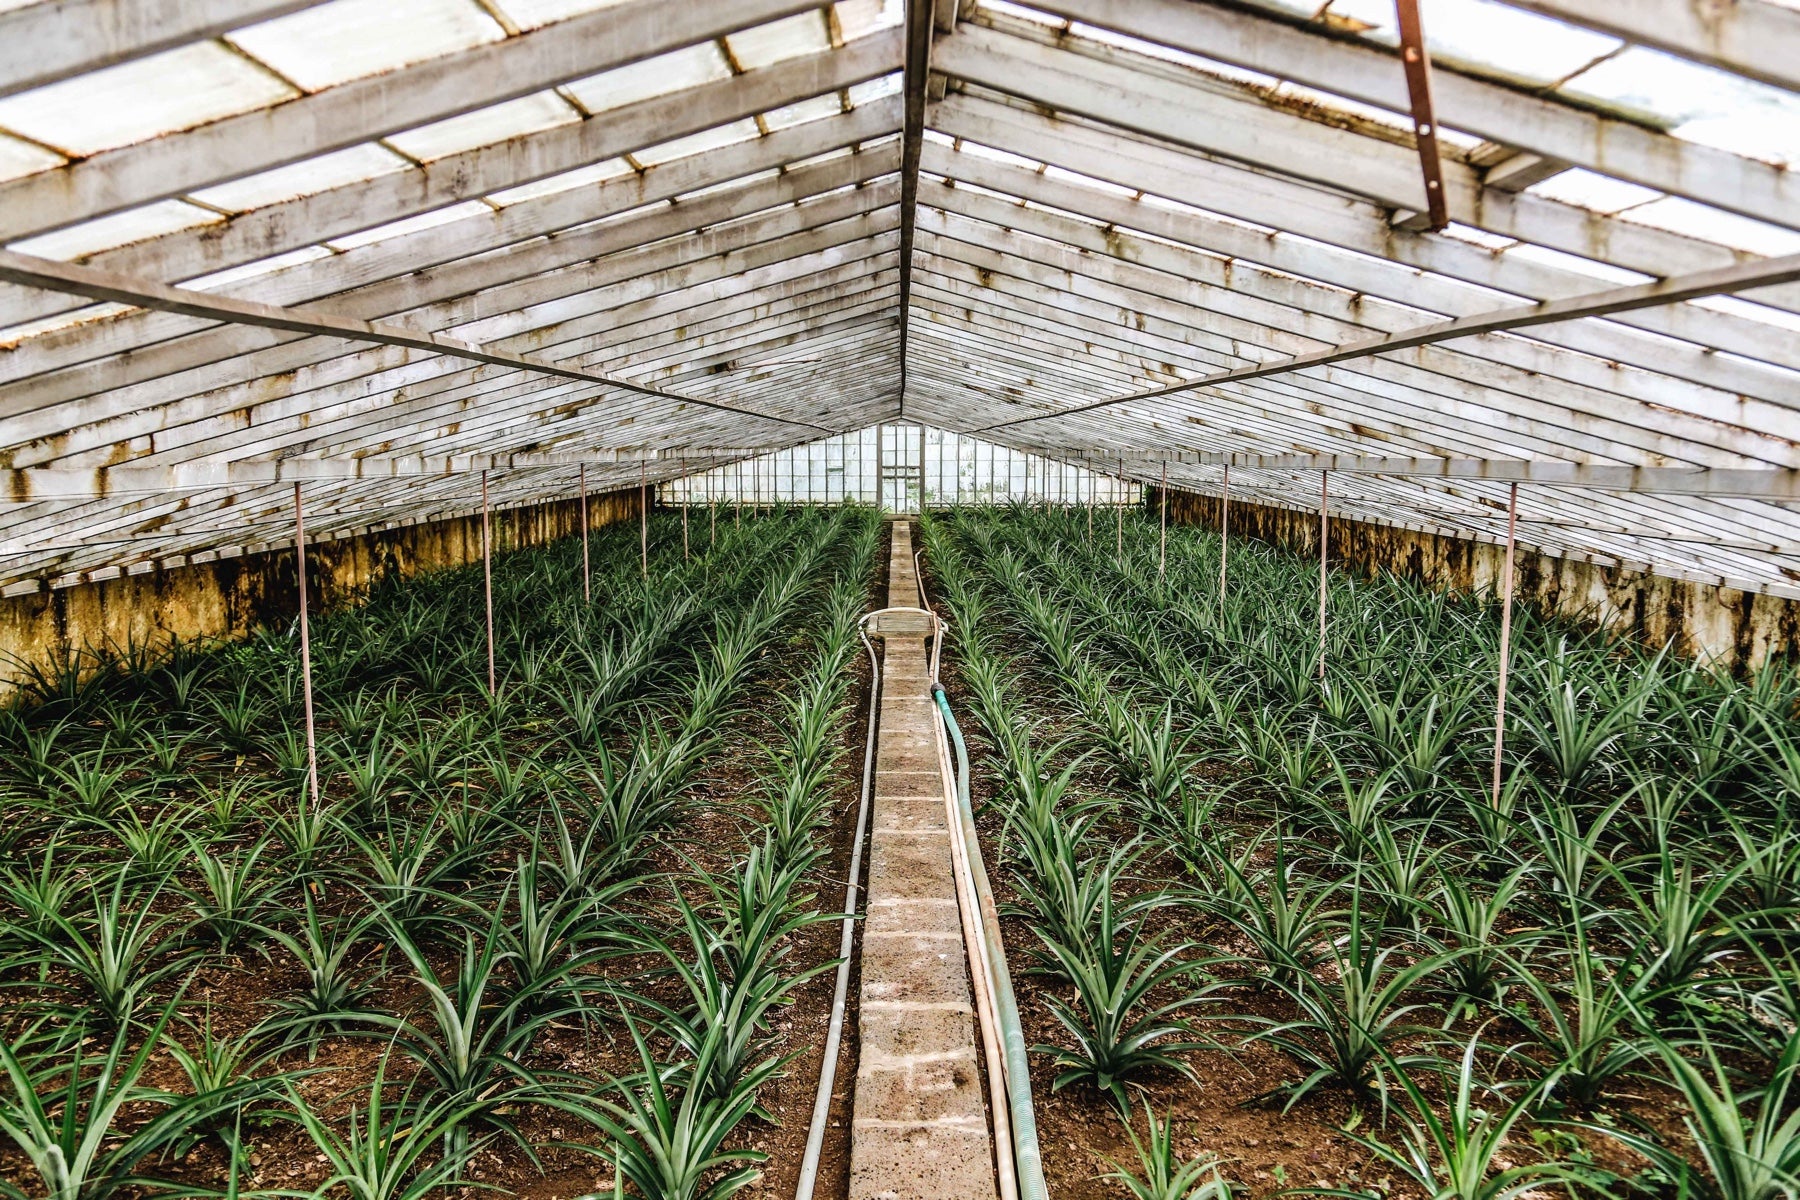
(487, 578)
(684, 522)
(712, 508)
(1119, 511)
(1224, 534)
(1324, 549)
(1506, 606)
(921, 467)
(306, 691)
(644, 518)
(1092, 479)
(1162, 546)
(587, 572)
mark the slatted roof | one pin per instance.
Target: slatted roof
(377, 245)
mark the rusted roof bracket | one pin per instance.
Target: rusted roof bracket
(1418, 89)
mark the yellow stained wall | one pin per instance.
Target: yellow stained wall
(230, 597)
(1734, 630)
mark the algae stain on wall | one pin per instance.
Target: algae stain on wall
(1733, 630)
(231, 597)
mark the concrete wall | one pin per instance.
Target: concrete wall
(1735, 630)
(230, 597)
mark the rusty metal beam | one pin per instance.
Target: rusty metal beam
(1723, 281)
(102, 285)
(1417, 61)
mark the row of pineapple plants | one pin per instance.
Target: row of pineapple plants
(430, 966)
(1194, 818)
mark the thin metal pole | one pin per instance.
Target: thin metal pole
(921, 466)
(644, 517)
(1324, 541)
(1506, 605)
(487, 577)
(712, 508)
(1119, 510)
(587, 573)
(1224, 534)
(1091, 480)
(1162, 548)
(312, 742)
(684, 522)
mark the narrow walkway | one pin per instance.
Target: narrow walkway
(920, 1125)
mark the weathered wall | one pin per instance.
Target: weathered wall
(1734, 630)
(230, 597)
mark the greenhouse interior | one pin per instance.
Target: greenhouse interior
(900, 599)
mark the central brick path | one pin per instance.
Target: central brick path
(920, 1122)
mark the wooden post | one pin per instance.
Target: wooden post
(644, 517)
(306, 691)
(587, 573)
(1162, 547)
(1224, 534)
(487, 577)
(1506, 601)
(1324, 541)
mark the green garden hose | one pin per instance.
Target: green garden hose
(1027, 1159)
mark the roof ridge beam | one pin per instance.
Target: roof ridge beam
(920, 22)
